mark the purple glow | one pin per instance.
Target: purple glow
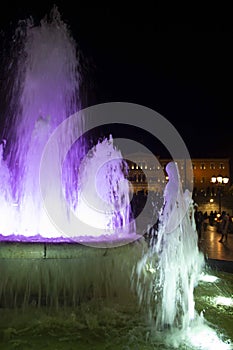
(86, 240)
(45, 92)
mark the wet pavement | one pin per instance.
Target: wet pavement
(218, 255)
(211, 246)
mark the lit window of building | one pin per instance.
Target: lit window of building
(202, 166)
(212, 166)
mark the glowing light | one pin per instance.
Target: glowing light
(208, 278)
(150, 268)
(225, 180)
(223, 301)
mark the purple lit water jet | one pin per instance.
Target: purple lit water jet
(45, 92)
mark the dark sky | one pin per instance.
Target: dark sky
(176, 60)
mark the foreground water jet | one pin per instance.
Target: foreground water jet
(169, 272)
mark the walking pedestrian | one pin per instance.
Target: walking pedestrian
(223, 227)
(198, 216)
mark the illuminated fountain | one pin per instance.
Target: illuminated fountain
(72, 295)
(47, 78)
(45, 85)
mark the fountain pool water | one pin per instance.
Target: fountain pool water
(81, 303)
(142, 295)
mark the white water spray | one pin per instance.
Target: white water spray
(170, 270)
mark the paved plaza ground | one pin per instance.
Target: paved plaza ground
(219, 255)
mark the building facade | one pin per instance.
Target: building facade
(148, 173)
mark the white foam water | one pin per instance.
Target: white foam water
(170, 270)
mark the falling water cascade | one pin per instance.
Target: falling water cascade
(176, 264)
(67, 292)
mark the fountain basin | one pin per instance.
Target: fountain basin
(68, 249)
(78, 296)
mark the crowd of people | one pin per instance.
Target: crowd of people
(223, 223)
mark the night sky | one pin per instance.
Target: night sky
(177, 61)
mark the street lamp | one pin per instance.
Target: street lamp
(220, 181)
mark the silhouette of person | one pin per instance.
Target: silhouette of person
(198, 216)
(223, 228)
(205, 221)
(211, 218)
